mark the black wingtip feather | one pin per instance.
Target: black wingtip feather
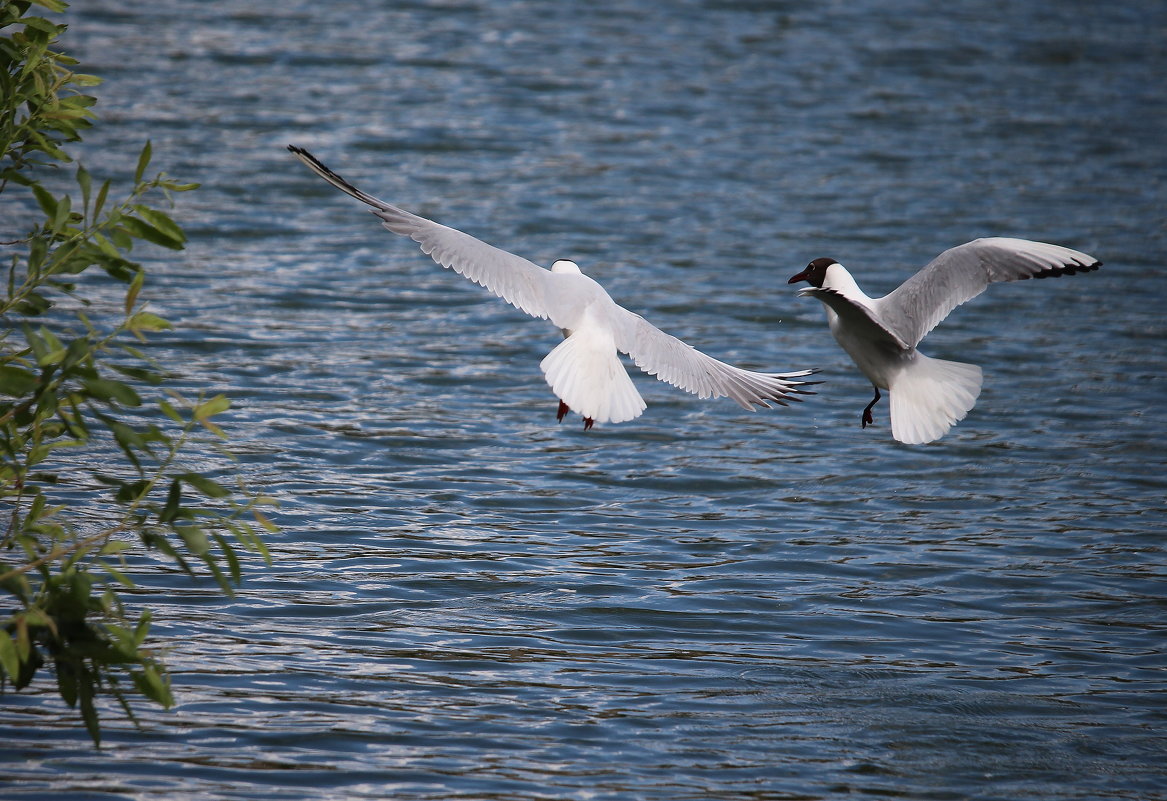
(1068, 269)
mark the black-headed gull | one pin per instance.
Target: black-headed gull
(928, 396)
(584, 370)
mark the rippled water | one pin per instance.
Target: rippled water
(471, 601)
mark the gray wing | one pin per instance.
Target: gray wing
(961, 273)
(680, 364)
(521, 283)
(859, 319)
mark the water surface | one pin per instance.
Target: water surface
(471, 601)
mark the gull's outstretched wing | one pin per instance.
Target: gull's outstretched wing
(857, 318)
(961, 273)
(521, 283)
(680, 364)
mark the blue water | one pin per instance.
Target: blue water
(469, 601)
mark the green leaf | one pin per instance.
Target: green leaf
(53, 357)
(52, 5)
(37, 454)
(81, 79)
(86, 183)
(145, 321)
(169, 410)
(36, 509)
(139, 373)
(47, 346)
(85, 695)
(173, 499)
(127, 439)
(117, 575)
(143, 230)
(217, 574)
(121, 239)
(143, 162)
(34, 304)
(208, 487)
(17, 382)
(215, 405)
(8, 658)
(23, 644)
(67, 684)
(64, 209)
(45, 200)
(132, 292)
(152, 685)
(98, 205)
(16, 585)
(195, 539)
(42, 24)
(232, 560)
(263, 520)
(107, 390)
(143, 627)
(162, 222)
(128, 492)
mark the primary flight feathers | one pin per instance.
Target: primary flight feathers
(584, 370)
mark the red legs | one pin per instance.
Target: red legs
(868, 420)
(564, 409)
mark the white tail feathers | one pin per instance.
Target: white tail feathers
(930, 396)
(586, 373)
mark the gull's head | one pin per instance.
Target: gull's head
(816, 272)
(565, 266)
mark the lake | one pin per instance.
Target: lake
(468, 600)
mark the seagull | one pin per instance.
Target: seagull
(584, 370)
(928, 396)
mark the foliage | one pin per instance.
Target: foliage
(92, 477)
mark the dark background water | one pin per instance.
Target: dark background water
(470, 601)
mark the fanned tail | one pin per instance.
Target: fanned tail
(930, 396)
(585, 372)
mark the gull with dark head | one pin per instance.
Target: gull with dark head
(928, 396)
(584, 370)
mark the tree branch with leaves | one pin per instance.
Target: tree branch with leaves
(75, 431)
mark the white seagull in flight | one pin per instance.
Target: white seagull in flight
(928, 396)
(584, 370)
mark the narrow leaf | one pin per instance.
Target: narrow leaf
(45, 200)
(100, 202)
(263, 520)
(208, 487)
(16, 382)
(107, 390)
(162, 222)
(143, 230)
(8, 658)
(195, 540)
(169, 410)
(132, 292)
(145, 321)
(143, 162)
(173, 499)
(86, 694)
(210, 408)
(152, 685)
(86, 183)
